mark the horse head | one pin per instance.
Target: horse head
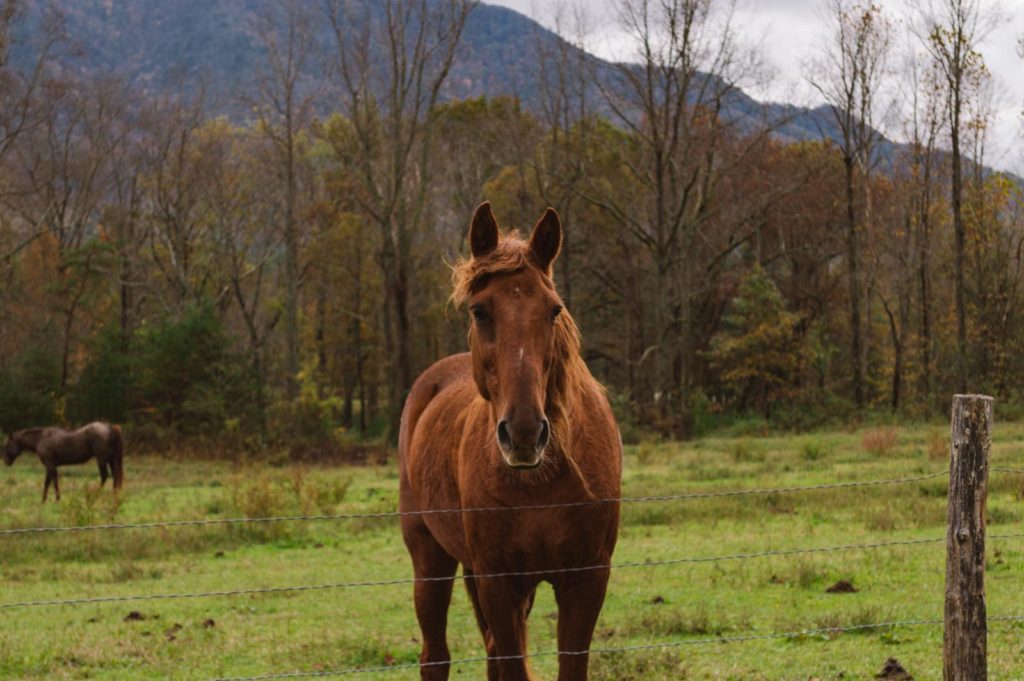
(11, 449)
(514, 336)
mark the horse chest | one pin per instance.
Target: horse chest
(528, 540)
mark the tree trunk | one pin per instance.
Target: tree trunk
(958, 229)
(853, 274)
(291, 274)
(897, 365)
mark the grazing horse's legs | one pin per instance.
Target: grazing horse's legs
(579, 598)
(505, 603)
(432, 599)
(104, 469)
(46, 484)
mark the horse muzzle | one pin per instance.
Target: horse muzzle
(511, 443)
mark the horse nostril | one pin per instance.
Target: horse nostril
(545, 434)
(504, 439)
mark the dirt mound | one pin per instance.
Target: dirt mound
(893, 671)
(842, 587)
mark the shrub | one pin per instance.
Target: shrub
(741, 452)
(318, 495)
(184, 374)
(29, 389)
(259, 495)
(309, 425)
(101, 391)
(813, 451)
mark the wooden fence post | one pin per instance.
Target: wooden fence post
(964, 648)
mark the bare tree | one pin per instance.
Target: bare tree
(684, 151)
(62, 166)
(175, 170)
(392, 62)
(952, 31)
(926, 104)
(21, 107)
(849, 77)
(565, 104)
(286, 98)
(242, 218)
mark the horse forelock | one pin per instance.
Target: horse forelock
(569, 376)
(469, 275)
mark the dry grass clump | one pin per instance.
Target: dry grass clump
(880, 441)
(938, 447)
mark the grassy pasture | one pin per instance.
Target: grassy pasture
(333, 628)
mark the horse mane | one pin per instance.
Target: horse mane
(569, 376)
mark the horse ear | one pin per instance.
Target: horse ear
(483, 231)
(546, 240)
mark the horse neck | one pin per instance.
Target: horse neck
(566, 393)
(28, 439)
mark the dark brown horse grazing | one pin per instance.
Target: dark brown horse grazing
(517, 421)
(59, 447)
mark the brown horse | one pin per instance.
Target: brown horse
(517, 421)
(59, 447)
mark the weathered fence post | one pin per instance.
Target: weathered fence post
(965, 641)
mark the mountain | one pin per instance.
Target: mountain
(159, 44)
(162, 44)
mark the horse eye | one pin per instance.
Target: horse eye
(480, 315)
(555, 311)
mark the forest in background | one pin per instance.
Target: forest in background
(279, 277)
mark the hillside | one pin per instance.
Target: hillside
(162, 44)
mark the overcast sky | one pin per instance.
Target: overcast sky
(787, 33)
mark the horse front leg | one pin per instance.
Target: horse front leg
(432, 598)
(580, 597)
(46, 483)
(481, 620)
(505, 603)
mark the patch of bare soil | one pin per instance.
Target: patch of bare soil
(843, 586)
(136, 616)
(893, 671)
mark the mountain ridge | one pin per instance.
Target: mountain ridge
(160, 44)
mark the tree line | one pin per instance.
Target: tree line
(278, 276)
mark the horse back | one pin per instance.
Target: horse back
(77, 446)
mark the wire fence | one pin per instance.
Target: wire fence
(491, 509)
(537, 573)
(493, 575)
(661, 645)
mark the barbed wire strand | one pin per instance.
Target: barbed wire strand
(1018, 471)
(619, 649)
(441, 511)
(494, 575)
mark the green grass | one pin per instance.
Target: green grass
(333, 629)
